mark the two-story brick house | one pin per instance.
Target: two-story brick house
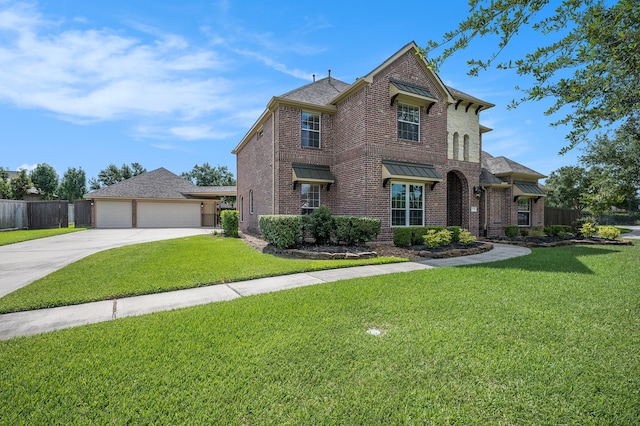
(397, 144)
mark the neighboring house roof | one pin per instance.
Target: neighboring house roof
(160, 184)
(30, 191)
(502, 166)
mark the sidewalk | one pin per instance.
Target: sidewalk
(44, 320)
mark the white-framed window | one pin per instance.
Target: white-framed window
(524, 211)
(310, 130)
(408, 122)
(407, 204)
(251, 201)
(309, 197)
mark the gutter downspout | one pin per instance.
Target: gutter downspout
(485, 210)
(273, 163)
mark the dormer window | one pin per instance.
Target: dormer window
(408, 122)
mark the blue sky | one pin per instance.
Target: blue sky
(173, 84)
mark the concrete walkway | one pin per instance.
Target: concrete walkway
(44, 320)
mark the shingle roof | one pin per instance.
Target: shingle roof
(157, 184)
(319, 92)
(487, 178)
(502, 166)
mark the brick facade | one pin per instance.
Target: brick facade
(358, 130)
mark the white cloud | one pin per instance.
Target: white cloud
(100, 75)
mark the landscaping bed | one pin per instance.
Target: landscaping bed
(554, 241)
(310, 251)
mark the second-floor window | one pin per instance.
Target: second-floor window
(310, 130)
(408, 122)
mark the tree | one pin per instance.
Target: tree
(20, 185)
(5, 186)
(568, 186)
(591, 63)
(73, 185)
(114, 174)
(45, 180)
(206, 175)
(618, 157)
(615, 163)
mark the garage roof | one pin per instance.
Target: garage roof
(160, 184)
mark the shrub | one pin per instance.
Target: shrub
(524, 232)
(455, 233)
(588, 229)
(537, 232)
(229, 219)
(465, 238)
(511, 231)
(353, 230)
(283, 231)
(417, 234)
(402, 237)
(559, 230)
(608, 232)
(434, 238)
(320, 225)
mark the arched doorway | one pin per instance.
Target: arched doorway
(454, 199)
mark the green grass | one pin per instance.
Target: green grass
(157, 267)
(12, 237)
(549, 338)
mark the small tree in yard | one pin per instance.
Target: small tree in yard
(230, 223)
(320, 225)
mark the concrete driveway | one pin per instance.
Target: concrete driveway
(23, 263)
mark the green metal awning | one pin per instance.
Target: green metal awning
(311, 173)
(527, 190)
(411, 93)
(406, 171)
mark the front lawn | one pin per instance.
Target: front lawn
(12, 237)
(549, 338)
(160, 266)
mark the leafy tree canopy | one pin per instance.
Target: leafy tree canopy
(5, 187)
(114, 174)
(20, 185)
(568, 185)
(73, 185)
(45, 180)
(588, 59)
(206, 175)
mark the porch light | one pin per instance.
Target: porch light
(477, 191)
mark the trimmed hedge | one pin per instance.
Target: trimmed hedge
(229, 219)
(283, 231)
(353, 230)
(414, 235)
(511, 231)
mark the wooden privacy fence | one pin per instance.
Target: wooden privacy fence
(48, 214)
(13, 214)
(82, 213)
(557, 216)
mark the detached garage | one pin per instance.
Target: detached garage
(157, 199)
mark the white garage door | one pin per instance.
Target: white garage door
(168, 215)
(113, 214)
